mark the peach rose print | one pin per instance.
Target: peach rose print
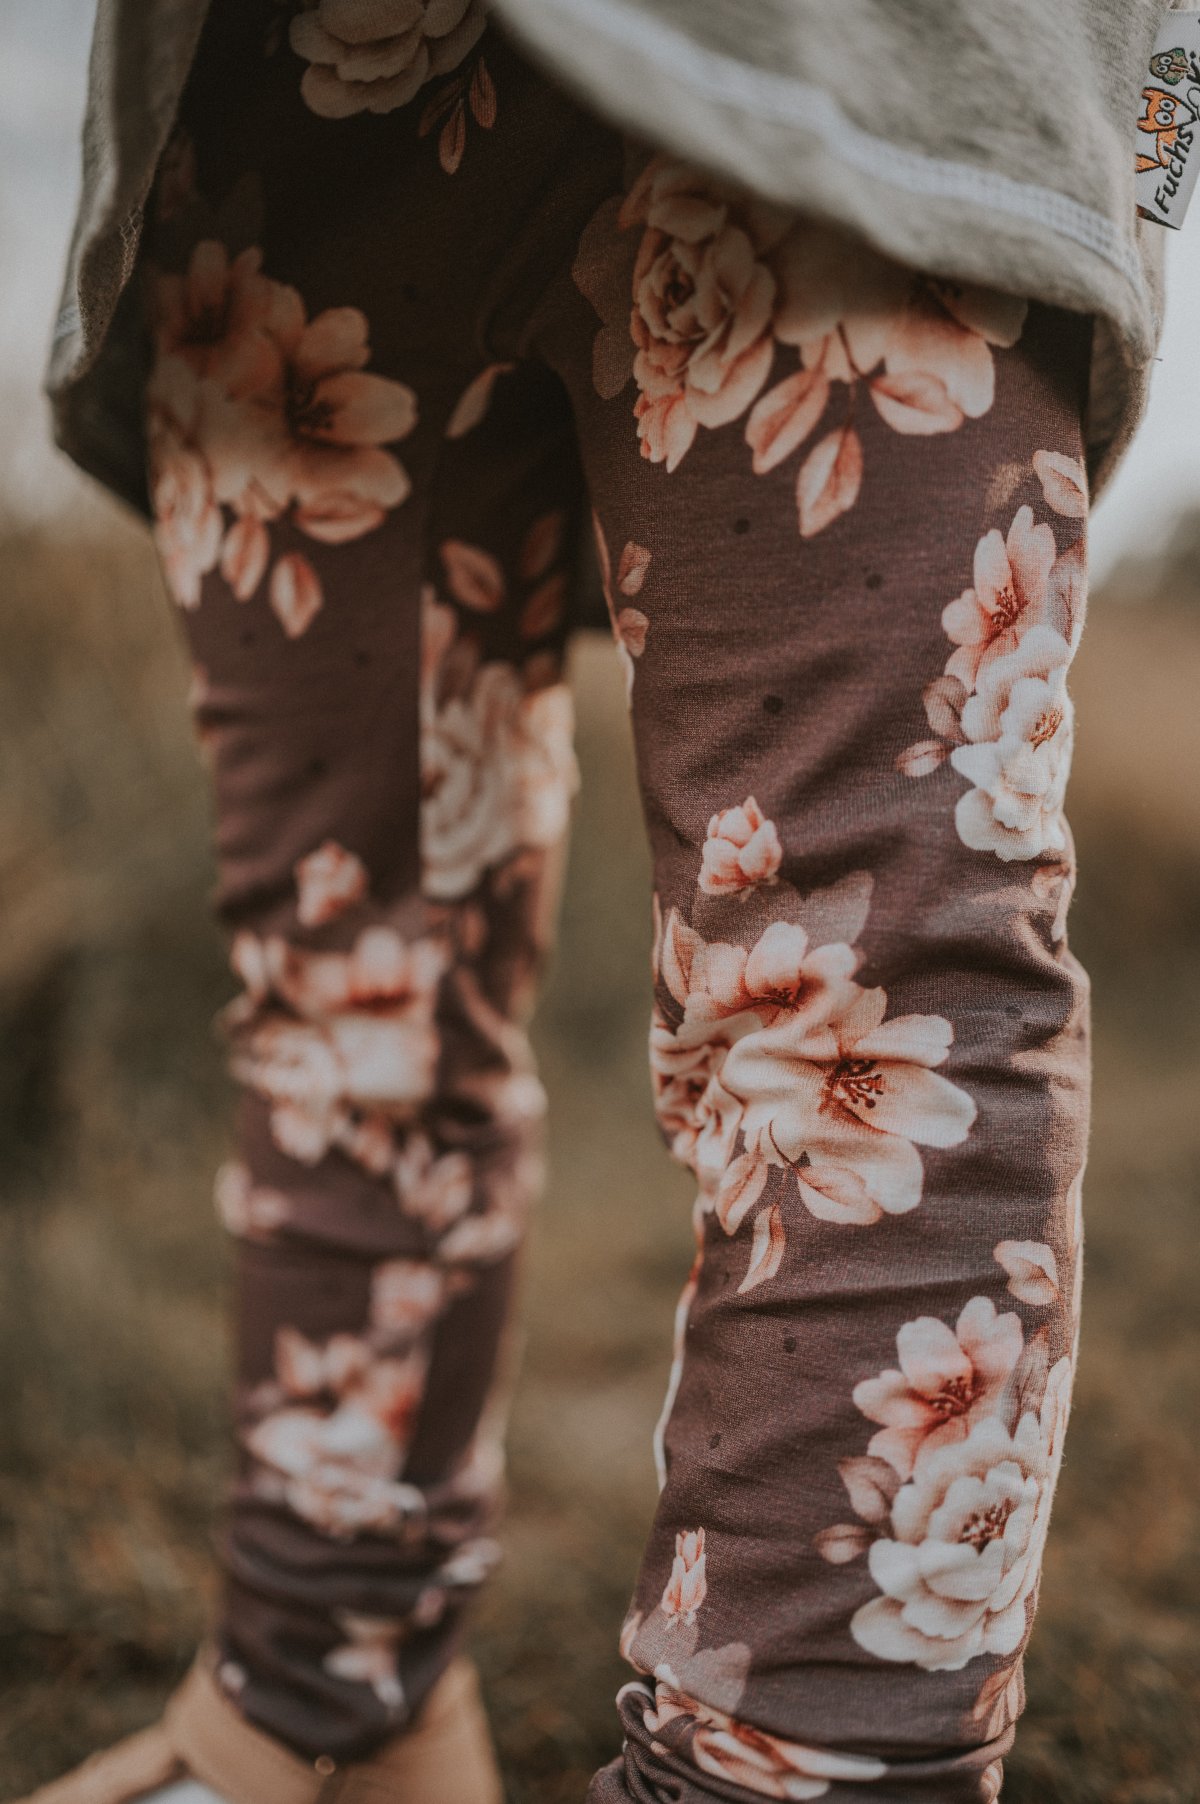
(1000, 710)
(257, 414)
(954, 1493)
(373, 55)
(720, 282)
(779, 1060)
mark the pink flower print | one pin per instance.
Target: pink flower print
(189, 524)
(965, 1544)
(947, 1380)
(498, 773)
(406, 1297)
(369, 1655)
(373, 55)
(437, 1190)
(751, 1758)
(1011, 594)
(281, 413)
(844, 1098)
(703, 302)
(1018, 728)
(686, 1588)
(336, 1041)
(248, 1210)
(328, 882)
(742, 850)
(336, 1460)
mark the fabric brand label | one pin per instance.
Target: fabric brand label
(1168, 127)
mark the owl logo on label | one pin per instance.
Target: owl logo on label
(1167, 121)
(1170, 65)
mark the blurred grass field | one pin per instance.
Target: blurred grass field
(114, 1113)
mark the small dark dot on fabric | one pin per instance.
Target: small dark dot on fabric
(408, 291)
(362, 657)
(714, 1440)
(772, 704)
(247, 636)
(789, 1343)
(317, 767)
(741, 526)
(874, 581)
(1013, 1009)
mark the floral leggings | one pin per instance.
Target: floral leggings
(411, 311)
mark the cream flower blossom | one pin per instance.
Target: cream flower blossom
(329, 880)
(1011, 594)
(1018, 726)
(188, 523)
(967, 1535)
(369, 1655)
(687, 1586)
(703, 304)
(741, 850)
(337, 1465)
(373, 55)
(947, 1379)
(498, 772)
(337, 1040)
(727, 992)
(255, 409)
(844, 1097)
(743, 1755)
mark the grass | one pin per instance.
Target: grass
(114, 1113)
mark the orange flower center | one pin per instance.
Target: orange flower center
(1046, 726)
(853, 1084)
(986, 1525)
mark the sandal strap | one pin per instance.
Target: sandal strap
(443, 1757)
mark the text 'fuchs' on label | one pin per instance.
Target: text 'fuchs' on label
(1168, 127)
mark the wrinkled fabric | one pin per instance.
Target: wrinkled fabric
(413, 326)
(991, 147)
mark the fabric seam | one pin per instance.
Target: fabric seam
(723, 79)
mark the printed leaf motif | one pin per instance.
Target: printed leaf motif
(482, 95)
(453, 140)
(473, 575)
(915, 403)
(1064, 483)
(631, 571)
(295, 593)
(945, 699)
(843, 1542)
(871, 1484)
(782, 419)
(1032, 1270)
(741, 1186)
(541, 545)
(920, 759)
(766, 1252)
(829, 480)
(473, 403)
(544, 609)
(245, 555)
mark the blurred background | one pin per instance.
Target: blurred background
(114, 1114)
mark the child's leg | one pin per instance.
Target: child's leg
(846, 572)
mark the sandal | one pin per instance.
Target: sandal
(444, 1757)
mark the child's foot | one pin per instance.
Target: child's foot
(203, 1751)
